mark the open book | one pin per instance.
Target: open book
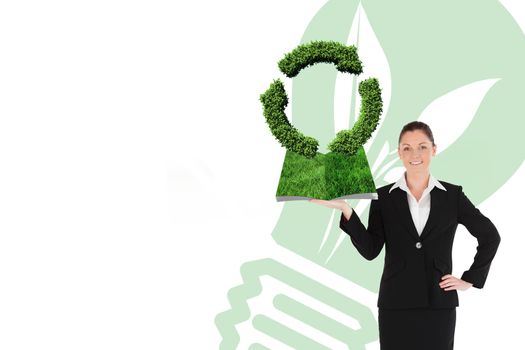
(326, 176)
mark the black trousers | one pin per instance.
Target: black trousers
(417, 329)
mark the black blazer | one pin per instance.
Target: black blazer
(415, 264)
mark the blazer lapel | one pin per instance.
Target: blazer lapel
(437, 200)
(400, 202)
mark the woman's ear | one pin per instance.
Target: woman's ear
(434, 148)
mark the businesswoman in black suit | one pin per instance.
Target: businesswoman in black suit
(416, 219)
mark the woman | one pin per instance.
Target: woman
(416, 219)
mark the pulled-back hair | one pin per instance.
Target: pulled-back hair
(416, 125)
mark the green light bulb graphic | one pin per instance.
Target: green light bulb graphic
(314, 292)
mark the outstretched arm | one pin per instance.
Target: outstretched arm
(368, 242)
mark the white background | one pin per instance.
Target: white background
(127, 207)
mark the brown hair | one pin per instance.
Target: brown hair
(416, 125)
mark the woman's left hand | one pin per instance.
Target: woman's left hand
(449, 282)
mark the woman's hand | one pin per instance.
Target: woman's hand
(449, 282)
(334, 203)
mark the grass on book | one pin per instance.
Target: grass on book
(326, 176)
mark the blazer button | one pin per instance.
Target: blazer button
(418, 245)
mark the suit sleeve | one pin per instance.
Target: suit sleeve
(488, 238)
(368, 242)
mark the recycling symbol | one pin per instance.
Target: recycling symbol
(346, 60)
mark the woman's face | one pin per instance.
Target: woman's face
(416, 151)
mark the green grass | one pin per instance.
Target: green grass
(325, 176)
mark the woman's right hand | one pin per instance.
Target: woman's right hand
(334, 203)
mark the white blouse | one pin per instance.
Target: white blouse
(419, 210)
